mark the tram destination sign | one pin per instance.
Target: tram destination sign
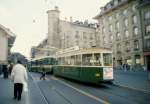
(67, 50)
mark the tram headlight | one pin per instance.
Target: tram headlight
(107, 73)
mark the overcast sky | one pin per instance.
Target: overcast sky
(28, 18)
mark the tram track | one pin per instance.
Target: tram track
(85, 93)
(128, 93)
(131, 88)
(115, 91)
(110, 93)
(60, 94)
(40, 91)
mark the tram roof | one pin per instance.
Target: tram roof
(84, 51)
(39, 58)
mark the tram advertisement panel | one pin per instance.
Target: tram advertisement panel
(107, 73)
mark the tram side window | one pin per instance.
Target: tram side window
(49, 61)
(78, 60)
(87, 59)
(97, 59)
(107, 58)
(61, 61)
(67, 61)
(72, 60)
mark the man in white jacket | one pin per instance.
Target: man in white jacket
(18, 76)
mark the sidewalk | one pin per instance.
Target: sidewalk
(137, 80)
(32, 96)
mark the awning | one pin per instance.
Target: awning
(146, 53)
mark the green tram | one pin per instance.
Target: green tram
(93, 65)
(42, 64)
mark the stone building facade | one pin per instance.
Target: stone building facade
(120, 29)
(144, 9)
(7, 39)
(65, 34)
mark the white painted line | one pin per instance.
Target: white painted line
(141, 90)
(83, 92)
(26, 91)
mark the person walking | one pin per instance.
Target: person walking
(18, 76)
(43, 75)
(10, 66)
(5, 71)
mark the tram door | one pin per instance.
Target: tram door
(148, 62)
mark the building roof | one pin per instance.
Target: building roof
(8, 32)
(110, 6)
(11, 36)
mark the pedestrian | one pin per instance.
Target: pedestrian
(18, 76)
(43, 74)
(10, 66)
(5, 71)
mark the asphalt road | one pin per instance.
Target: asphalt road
(62, 91)
(30, 96)
(56, 90)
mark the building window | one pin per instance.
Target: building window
(134, 7)
(136, 31)
(103, 30)
(110, 18)
(125, 12)
(127, 33)
(77, 42)
(134, 19)
(77, 35)
(118, 35)
(91, 36)
(136, 44)
(147, 29)
(91, 44)
(148, 43)
(127, 44)
(84, 35)
(110, 28)
(126, 22)
(111, 38)
(147, 15)
(104, 38)
(118, 46)
(137, 59)
(117, 24)
(104, 21)
(116, 2)
(117, 15)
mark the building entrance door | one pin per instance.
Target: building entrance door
(148, 62)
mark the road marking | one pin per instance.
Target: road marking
(83, 92)
(54, 78)
(60, 94)
(141, 90)
(26, 90)
(39, 89)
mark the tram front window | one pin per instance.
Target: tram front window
(107, 59)
(87, 59)
(97, 59)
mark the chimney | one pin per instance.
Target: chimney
(65, 18)
(56, 8)
(71, 19)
